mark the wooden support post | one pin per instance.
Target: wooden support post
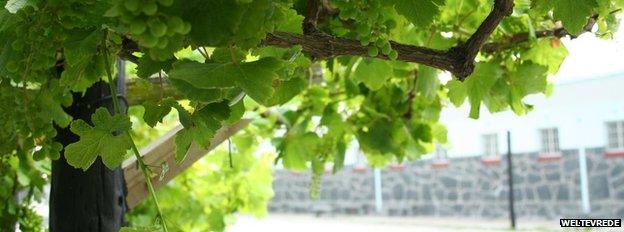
(163, 150)
(91, 200)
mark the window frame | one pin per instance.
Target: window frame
(549, 140)
(440, 152)
(490, 145)
(615, 128)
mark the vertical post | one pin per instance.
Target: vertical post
(512, 214)
(91, 200)
(583, 177)
(378, 196)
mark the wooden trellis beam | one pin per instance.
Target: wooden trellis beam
(163, 150)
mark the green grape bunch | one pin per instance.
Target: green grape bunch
(371, 24)
(315, 185)
(152, 25)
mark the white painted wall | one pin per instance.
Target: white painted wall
(579, 109)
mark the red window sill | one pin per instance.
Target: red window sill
(359, 169)
(549, 157)
(440, 164)
(614, 154)
(491, 161)
(397, 167)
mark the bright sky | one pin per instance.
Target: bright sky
(590, 57)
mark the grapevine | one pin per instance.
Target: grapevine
(314, 76)
(135, 150)
(315, 185)
(371, 24)
(149, 22)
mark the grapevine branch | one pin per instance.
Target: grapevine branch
(557, 32)
(458, 60)
(317, 10)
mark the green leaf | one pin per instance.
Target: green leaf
(373, 72)
(83, 65)
(427, 83)
(457, 92)
(204, 75)
(200, 127)
(292, 22)
(383, 136)
(147, 66)
(201, 95)
(298, 150)
(339, 157)
(237, 112)
(286, 90)
(479, 84)
(108, 137)
(255, 78)
(547, 52)
(572, 13)
(528, 78)
(155, 112)
(419, 12)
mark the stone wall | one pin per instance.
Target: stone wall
(469, 187)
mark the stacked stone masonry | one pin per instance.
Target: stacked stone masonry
(466, 187)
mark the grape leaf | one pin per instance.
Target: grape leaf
(199, 127)
(83, 66)
(108, 137)
(155, 111)
(381, 136)
(547, 52)
(255, 78)
(286, 90)
(526, 79)
(572, 13)
(147, 66)
(201, 95)
(427, 82)
(204, 75)
(479, 84)
(419, 12)
(456, 92)
(298, 150)
(373, 72)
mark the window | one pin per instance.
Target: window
(490, 145)
(550, 140)
(615, 135)
(440, 152)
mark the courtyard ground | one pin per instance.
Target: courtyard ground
(305, 223)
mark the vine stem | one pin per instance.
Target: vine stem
(135, 150)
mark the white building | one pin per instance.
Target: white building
(582, 113)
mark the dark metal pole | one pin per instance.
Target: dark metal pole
(512, 214)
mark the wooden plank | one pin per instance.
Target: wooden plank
(163, 150)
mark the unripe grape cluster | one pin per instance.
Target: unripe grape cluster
(315, 185)
(158, 32)
(370, 24)
(36, 49)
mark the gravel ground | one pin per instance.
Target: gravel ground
(305, 223)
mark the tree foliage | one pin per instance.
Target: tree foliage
(318, 73)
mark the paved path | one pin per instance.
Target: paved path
(305, 223)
